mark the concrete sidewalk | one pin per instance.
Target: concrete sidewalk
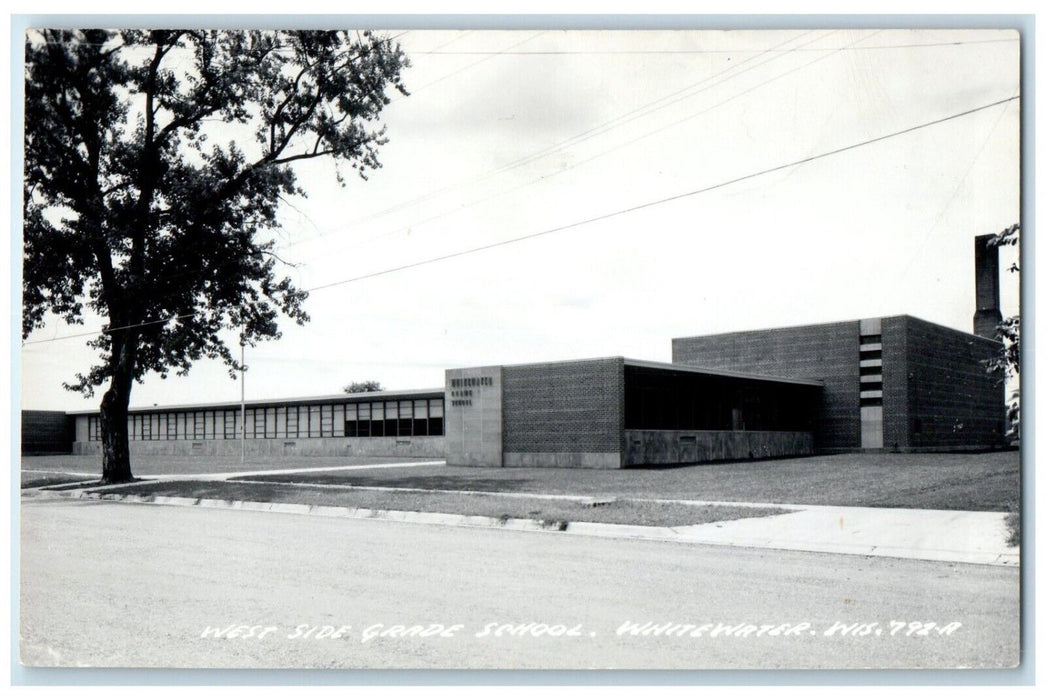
(936, 535)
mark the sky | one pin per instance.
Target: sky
(730, 180)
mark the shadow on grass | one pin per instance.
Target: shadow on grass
(58, 480)
(428, 483)
(66, 485)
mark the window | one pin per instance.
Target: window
(292, 421)
(339, 421)
(435, 416)
(281, 421)
(404, 425)
(363, 421)
(421, 417)
(391, 419)
(259, 423)
(377, 419)
(314, 421)
(270, 422)
(351, 421)
(326, 421)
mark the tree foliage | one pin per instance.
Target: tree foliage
(1008, 361)
(155, 163)
(363, 387)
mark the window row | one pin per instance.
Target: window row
(871, 370)
(364, 419)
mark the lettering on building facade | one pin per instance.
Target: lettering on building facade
(462, 389)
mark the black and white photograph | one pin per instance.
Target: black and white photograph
(348, 346)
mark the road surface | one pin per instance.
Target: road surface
(122, 585)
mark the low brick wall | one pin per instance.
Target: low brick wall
(430, 447)
(690, 446)
(564, 460)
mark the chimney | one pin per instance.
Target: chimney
(986, 276)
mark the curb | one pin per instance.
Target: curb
(608, 530)
(405, 516)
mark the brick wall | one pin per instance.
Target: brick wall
(46, 432)
(895, 382)
(953, 402)
(828, 352)
(564, 407)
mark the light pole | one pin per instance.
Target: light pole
(243, 410)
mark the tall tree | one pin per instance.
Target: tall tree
(155, 162)
(1008, 362)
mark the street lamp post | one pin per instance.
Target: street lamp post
(243, 411)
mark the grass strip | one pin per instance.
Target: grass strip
(621, 511)
(56, 479)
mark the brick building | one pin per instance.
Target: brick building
(894, 383)
(615, 412)
(383, 423)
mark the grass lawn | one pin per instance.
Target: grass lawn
(32, 481)
(621, 512)
(986, 481)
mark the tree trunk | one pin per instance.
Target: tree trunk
(116, 454)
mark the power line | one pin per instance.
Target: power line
(665, 200)
(466, 67)
(106, 329)
(640, 52)
(601, 217)
(635, 114)
(592, 132)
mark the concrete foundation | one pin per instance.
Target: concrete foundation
(413, 447)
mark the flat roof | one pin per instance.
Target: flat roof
(693, 369)
(721, 372)
(308, 400)
(957, 331)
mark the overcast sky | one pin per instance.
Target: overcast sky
(508, 134)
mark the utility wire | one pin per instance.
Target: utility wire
(436, 52)
(598, 130)
(466, 67)
(641, 137)
(643, 110)
(601, 217)
(646, 205)
(106, 329)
